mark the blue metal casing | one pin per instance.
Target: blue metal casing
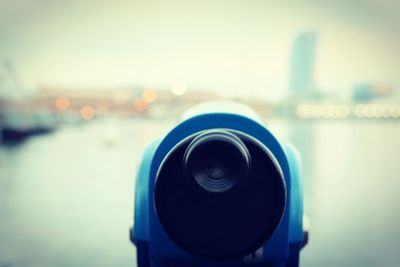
(147, 227)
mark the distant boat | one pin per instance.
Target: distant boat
(17, 121)
(18, 126)
(19, 135)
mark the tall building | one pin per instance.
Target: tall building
(302, 61)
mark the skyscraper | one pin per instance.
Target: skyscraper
(302, 59)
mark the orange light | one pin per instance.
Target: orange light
(140, 105)
(149, 95)
(87, 112)
(62, 103)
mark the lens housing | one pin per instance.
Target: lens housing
(217, 160)
(219, 194)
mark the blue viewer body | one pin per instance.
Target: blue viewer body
(158, 243)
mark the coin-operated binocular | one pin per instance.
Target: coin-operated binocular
(219, 190)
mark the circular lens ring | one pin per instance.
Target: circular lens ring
(218, 144)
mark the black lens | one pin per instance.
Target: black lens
(219, 194)
(216, 167)
(217, 160)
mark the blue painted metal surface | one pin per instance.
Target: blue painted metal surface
(147, 226)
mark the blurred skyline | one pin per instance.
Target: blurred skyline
(232, 47)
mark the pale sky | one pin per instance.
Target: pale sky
(234, 47)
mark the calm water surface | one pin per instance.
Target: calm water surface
(66, 199)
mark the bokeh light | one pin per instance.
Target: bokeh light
(149, 95)
(179, 88)
(87, 112)
(62, 103)
(140, 105)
